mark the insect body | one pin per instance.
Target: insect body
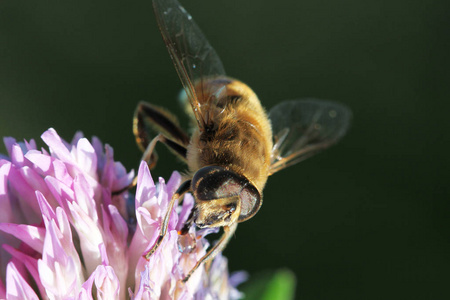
(230, 158)
(235, 145)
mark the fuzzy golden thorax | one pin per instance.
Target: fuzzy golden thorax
(238, 136)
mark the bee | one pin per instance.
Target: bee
(235, 145)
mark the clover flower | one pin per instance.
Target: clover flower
(67, 235)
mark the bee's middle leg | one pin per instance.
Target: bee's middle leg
(149, 118)
(151, 157)
(183, 189)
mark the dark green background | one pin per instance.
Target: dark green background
(367, 219)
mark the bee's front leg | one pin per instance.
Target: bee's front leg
(183, 189)
(219, 246)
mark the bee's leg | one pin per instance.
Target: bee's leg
(149, 119)
(184, 188)
(177, 149)
(219, 246)
(150, 156)
(187, 225)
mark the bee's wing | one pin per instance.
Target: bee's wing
(302, 128)
(194, 58)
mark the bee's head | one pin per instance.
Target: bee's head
(223, 197)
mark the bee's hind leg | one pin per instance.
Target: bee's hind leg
(150, 119)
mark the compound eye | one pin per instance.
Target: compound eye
(250, 202)
(214, 182)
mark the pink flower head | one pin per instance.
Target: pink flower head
(66, 235)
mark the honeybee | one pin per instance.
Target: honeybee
(235, 145)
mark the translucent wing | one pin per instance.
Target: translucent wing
(302, 128)
(194, 58)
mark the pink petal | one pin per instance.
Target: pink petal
(56, 145)
(37, 183)
(2, 290)
(26, 197)
(5, 204)
(62, 173)
(16, 286)
(123, 179)
(86, 291)
(163, 200)
(31, 235)
(118, 227)
(115, 233)
(49, 166)
(30, 264)
(113, 174)
(162, 194)
(145, 185)
(103, 254)
(78, 135)
(161, 264)
(58, 279)
(98, 147)
(31, 145)
(17, 157)
(107, 283)
(139, 243)
(173, 183)
(143, 291)
(46, 209)
(60, 268)
(42, 162)
(90, 236)
(86, 157)
(188, 204)
(62, 193)
(65, 231)
(9, 142)
(84, 197)
(147, 224)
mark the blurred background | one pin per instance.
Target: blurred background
(366, 219)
